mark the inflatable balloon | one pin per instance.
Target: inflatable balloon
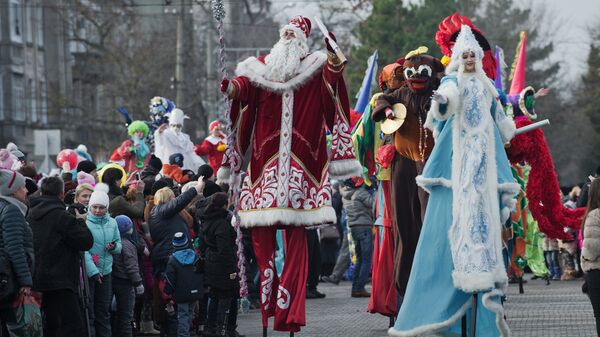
(69, 156)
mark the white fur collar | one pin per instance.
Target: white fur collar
(215, 140)
(255, 70)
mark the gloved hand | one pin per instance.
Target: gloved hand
(97, 278)
(224, 85)
(329, 48)
(439, 98)
(139, 290)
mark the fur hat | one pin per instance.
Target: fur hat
(84, 178)
(180, 240)
(205, 171)
(100, 195)
(10, 182)
(86, 166)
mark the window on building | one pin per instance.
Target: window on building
(16, 21)
(18, 98)
(2, 107)
(33, 106)
(43, 105)
(29, 12)
(39, 13)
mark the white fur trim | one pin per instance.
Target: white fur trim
(287, 216)
(255, 70)
(215, 140)
(498, 309)
(345, 169)
(432, 327)
(426, 183)
(481, 283)
(507, 129)
(450, 91)
(223, 175)
(507, 191)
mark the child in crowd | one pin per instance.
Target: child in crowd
(184, 282)
(99, 259)
(126, 277)
(173, 169)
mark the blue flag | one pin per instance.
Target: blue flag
(364, 95)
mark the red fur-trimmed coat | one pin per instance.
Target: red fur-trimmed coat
(288, 178)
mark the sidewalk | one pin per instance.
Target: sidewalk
(557, 310)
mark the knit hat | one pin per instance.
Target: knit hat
(10, 182)
(84, 178)
(124, 223)
(210, 188)
(176, 158)
(205, 171)
(86, 166)
(155, 162)
(180, 240)
(15, 150)
(100, 195)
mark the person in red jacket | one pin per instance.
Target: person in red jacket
(213, 146)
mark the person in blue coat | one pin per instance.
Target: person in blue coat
(472, 192)
(99, 260)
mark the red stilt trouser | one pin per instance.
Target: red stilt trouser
(384, 296)
(283, 297)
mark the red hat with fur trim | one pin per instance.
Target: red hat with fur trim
(302, 23)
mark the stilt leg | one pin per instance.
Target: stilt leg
(264, 331)
(521, 290)
(474, 316)
(392, 321)
(463, 326)
(291, 334)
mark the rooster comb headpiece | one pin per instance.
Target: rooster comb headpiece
(447, 34)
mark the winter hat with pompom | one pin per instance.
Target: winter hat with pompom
(85, 178)
(100, 195)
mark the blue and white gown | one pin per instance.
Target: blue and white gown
(460, 247)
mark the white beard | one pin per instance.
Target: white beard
(283, 62)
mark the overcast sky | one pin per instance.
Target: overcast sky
(572, 39)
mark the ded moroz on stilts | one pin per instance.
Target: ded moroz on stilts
(282, 106)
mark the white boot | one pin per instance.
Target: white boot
(147, 328)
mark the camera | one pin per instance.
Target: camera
(82, 209)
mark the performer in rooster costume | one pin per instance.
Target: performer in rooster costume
(413, 144)
(213, 146)
(375, 151)
(133, 153)
(283, 104)
(471, 194)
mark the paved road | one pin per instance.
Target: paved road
(557, 310)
